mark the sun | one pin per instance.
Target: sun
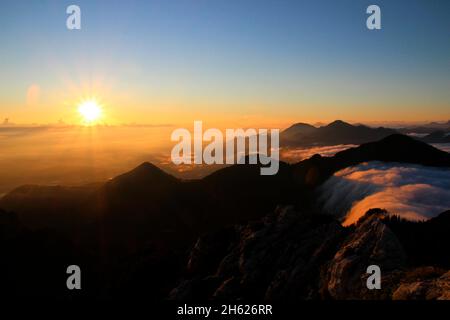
(90, 110)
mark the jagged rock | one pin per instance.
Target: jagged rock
(291, 256)
(299, 279)
(278, 258)
(209, 250)
(371, 243)
(425, 289)
(229, 288)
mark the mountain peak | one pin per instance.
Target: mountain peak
(298, 130)
(301, 124)
(400, 139)
(339, 123)
(145, 173)
(396, 148)
(335, 133)
(145, 166)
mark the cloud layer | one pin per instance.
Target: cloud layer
(410, 191)
(293, 155)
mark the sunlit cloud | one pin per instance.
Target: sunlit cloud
(297, 154)
(410, 191)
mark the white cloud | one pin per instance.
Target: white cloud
(293, 155)
(410, 191)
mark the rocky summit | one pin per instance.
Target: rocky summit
(290, 255)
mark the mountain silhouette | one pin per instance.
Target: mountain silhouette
(49, 206)
(144, 174)
(395, 148)
(237, 192)
(298, 130)
(337, 132)
(427, 128)
(137, 229)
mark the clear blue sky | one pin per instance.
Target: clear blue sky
(301, 59)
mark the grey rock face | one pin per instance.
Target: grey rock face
(372, 243)
(290, 256)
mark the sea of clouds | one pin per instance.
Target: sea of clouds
(293, 155)
(411, 191)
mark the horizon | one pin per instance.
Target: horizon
(394, 124)
(238, 65)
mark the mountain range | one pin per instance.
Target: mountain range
(140, 230)
(427, 128)
(339, 132)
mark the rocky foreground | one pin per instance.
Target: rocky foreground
(289, 256)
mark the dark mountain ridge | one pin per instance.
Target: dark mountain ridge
(394, 148)
(427, 128)
(147, 189)
(138, 226)
(335, 133)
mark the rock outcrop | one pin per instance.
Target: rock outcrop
(371, 243)
(291, 256)
(278, 258)
(425, 287)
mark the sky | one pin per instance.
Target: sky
(232, 63)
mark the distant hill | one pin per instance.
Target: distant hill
(427, 128)
(298, 129)
(49, 206)
(439, 125)
(337, 132)
(440, 136)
